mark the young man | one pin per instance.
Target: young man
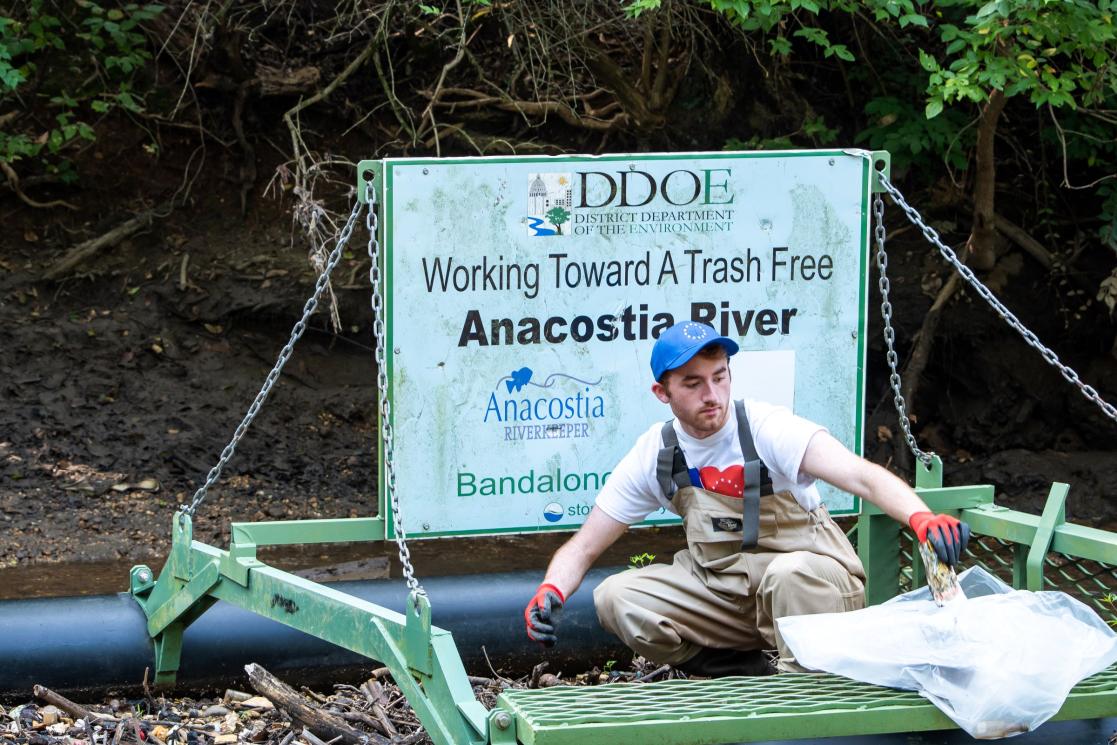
(760, 543)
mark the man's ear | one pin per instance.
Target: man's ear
(661, 392)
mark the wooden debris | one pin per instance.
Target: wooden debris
(316, 719)
(83, 251)
(78, 712)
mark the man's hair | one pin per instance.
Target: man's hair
(709, 352)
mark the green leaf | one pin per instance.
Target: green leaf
(780, 45)
(934, 108)
(989, 9)
(913, 19)
(927, 62)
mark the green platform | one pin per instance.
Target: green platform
(733, 710)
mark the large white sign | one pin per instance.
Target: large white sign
(524, 296)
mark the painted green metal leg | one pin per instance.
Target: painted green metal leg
(168, 652)
(878, 546)
(1054, 515)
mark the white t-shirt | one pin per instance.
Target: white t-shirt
(632, 491)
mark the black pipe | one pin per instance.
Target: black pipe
(98, 644)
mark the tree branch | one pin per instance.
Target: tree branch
(982, 234)
(429, 112)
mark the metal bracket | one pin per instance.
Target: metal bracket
(880, 164)
(502, 728)
(928, 477)
(240, 560)
(417, 633)
(370, 170)
(141, 579)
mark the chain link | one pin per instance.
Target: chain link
(890, 335)
(284, 355)
(378, 329)
(1053, 359)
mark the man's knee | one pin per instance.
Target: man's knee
(792, 568)
(800, 568)
(810, 582)
(610, 595)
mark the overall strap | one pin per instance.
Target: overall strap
(757, 481)
(671, 468)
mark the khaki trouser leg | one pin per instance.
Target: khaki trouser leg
(803, 583)
(665, 613)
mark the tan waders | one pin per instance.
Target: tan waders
(718, 594)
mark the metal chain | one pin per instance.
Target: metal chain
(952, 258)
(378, 329)
(284, 355)
(890, 335)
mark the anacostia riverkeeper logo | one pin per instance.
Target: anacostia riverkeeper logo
(559, 407)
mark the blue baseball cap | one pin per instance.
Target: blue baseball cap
(678, 344)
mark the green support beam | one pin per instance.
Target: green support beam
(294, 532)
(423, 659)
(1054, 515)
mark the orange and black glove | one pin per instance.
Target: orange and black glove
(541, 614)
(948, 535)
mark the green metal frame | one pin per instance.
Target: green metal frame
(424, 661)
(426, 665)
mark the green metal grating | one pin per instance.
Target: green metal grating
(731, 710)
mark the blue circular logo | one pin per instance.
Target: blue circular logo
(553, 512)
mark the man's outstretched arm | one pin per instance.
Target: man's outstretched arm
(564, 574)
(829, 460)
(575, 557)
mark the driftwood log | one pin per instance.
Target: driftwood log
(324, 724)
(83, 251)
(77, 711)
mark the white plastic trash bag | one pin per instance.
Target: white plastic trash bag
(998, 663)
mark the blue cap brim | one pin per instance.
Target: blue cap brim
(685, 356)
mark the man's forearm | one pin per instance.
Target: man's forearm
(891, 494)
(567, 568)
(574, 558)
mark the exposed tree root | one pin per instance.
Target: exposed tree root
(13, 182)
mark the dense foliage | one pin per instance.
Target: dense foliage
(1003, 112)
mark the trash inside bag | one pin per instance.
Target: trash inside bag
(999, 663)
